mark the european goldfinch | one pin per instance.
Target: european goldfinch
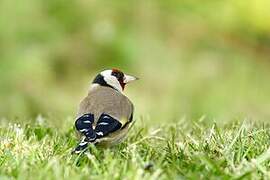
(105, 114)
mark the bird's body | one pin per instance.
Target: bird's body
(102, 99)
(105, 114)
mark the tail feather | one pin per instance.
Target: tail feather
(82, 146)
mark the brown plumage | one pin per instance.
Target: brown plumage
(105, 114)
(106, 100)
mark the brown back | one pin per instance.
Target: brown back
(106, 100)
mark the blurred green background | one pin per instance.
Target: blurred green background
(194, 58)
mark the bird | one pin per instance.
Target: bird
(105, 115)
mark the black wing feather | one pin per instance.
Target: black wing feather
(106, 125)
(84, 124)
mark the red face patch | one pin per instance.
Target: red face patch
(120, 77)
(116, 70)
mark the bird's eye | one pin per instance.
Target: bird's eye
(119, 75)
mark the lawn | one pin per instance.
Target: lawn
(201, 105)
(238, 149)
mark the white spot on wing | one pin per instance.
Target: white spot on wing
(88, 122)
(83, 143)
(103, 123)
(100, 133)
(83, 130)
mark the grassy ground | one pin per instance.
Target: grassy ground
(186, 150)
(191, 61)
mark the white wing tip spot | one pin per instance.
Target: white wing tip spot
(83, 143)
(100, 133)
(88, 122)
(103, 123)
(83, 130)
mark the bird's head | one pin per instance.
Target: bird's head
(114, 78)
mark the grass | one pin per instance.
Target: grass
(191, 61)
(185, 150)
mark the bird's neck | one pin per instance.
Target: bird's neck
(95, 86)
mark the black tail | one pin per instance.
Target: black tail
(82, 146)
(84, 125)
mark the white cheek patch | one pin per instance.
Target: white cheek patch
(111, 80)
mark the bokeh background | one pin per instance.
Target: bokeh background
(195, 58)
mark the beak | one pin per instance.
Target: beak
(129, 79)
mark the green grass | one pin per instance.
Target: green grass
(184, 150)
(191, 61)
